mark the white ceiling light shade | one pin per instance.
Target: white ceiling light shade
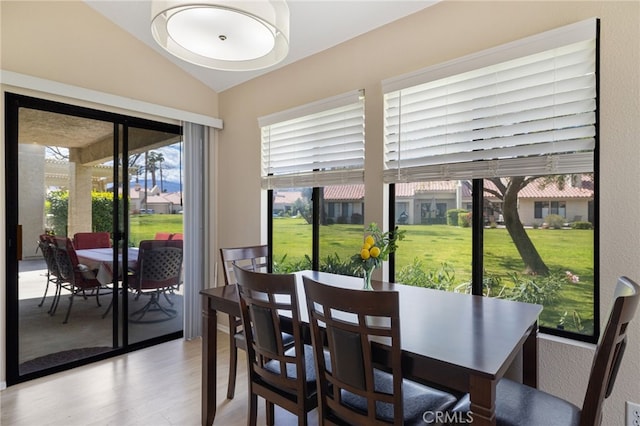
(229, 35)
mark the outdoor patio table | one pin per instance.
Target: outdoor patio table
(460, 341)
(102, 260)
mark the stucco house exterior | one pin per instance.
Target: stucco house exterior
(428, 202)
(154, 201)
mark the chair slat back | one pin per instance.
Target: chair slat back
(253, 258)
(609, 351)
(265, 301)
(350, 321)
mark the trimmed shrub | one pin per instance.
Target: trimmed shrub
(554, 221)
(464, 220)
(581, 225)
(453, 216)
(58, 208)
(102, 211)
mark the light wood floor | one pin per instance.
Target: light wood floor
(152, 387)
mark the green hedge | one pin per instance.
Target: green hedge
(453, 218)
(581, 225)
(57, 205)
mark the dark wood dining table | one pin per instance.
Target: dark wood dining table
(462, 342)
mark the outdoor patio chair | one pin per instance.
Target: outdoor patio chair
(47, 248)
(75, 277)
(159, 270)
(91, 240)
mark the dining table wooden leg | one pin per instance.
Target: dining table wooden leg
(209, 362)
(483, 401)
(530, 358)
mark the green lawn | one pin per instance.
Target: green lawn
(433, 245)
(562, 250)
(145, 226)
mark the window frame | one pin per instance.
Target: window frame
(477, 253)
(429, 169)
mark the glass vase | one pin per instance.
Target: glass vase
(368, 272)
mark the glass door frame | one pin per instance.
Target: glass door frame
(121, 123)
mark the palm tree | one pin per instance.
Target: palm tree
(154, 163)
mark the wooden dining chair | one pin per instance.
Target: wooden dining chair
(90, 240)
(254, 258)
(518, 404)
(352, 389)
(282, 375)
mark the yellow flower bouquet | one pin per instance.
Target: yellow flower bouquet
(375, 249)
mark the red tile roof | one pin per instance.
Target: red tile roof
(409, 189)
(344, 192)
(535, 190)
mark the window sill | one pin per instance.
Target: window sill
(566, 341)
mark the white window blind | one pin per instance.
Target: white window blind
(317, 144)
(525, 108)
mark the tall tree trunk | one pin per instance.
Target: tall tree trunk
(533, 263)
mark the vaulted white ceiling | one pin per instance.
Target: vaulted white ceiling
(316, 25)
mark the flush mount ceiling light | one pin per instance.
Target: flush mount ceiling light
(230, 35)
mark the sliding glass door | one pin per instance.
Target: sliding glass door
(74, 172)
(154, 306)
